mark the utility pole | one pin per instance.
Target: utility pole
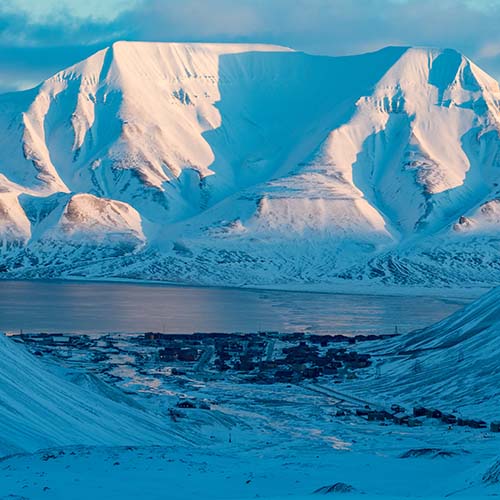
(417, 367)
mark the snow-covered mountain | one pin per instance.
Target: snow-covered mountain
(254, 164)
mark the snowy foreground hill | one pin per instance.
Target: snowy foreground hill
(40, 408)
(252, 165)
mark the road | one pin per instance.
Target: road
(270, 350)
(205, 358)
(340, 397)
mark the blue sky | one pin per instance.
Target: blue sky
(39, 37)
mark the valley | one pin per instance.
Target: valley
(235, 271)
(270, 415)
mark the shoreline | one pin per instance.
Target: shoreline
(344, 288)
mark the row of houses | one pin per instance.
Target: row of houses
(250, 354)
(53, 339)
(299, 362)
(332, 360)
(179, 353)
(399, 416)
(188, 404)
(325, 340)
(451, 419)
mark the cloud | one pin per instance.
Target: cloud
(32, 50)
(335, 27)
(24, 67)
(327, 26)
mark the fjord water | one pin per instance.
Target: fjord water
(96, 307)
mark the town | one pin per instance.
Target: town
(241, 358)
(264, 357)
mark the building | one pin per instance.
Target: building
(495, 426)
(420, 411)
(449, 419)
(185, 404)
(168, 353)
(378, 416)
(188, 354)
(401, 418)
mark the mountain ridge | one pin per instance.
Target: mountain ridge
(172, 157)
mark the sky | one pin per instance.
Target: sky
(40, 37)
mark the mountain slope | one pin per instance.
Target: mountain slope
(40, 409)
(453, 365)
(253, 164)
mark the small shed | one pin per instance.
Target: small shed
(477, 424)
(401, 418)
(378, 416)
(495, 426)
(449, 419)
(414, 422)
(186, 404)
(421, 411)
(397, 408)
(436, 414)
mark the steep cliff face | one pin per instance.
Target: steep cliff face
(181, 157)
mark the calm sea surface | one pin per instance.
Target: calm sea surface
(93, 307)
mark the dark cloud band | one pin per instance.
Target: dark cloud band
(33, 50)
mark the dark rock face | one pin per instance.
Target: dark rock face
(335, 488)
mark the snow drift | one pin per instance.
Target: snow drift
(254, 164)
